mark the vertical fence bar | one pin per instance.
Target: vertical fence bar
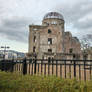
(60, 70)
(65, 68)
(79, 72)
(74, 57)
(44, 69)
(84, 67)
(90, 72)
(41, 66)
(56, 67)
(84, 72)
(70, 71)
(52, 65)
(49, 59)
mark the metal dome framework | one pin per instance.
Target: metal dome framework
(55, 15)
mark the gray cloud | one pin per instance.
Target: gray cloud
(76, 12)
(15, 28)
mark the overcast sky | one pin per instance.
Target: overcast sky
(16, 15)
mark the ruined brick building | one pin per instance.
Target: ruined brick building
(51, 40)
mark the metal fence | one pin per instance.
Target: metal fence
(80, 69)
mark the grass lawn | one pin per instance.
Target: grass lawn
(13, 82)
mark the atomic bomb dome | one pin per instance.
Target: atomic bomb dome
(51, 40)
(54, 15)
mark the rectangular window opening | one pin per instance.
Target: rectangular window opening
(34, 38)
(49, 40)
(34, 49)
(49, 31)
(50, 50)
(71, 50)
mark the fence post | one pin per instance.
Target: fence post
(74, 66)
(35, 61)
(12, 65)
(24, 67)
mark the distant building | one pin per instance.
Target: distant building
(50, 38)
(10, 54)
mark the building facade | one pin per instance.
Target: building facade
(51, 40)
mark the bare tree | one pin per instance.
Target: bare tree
(86, 42)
